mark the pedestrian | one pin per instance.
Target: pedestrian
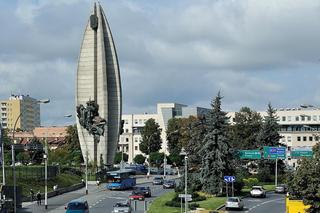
(38, 198)
(32, 195)
(82, 181)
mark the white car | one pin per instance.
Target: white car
(234, 203)
(258, 191)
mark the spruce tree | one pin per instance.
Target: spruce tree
(269, 136)
(215, 153)
(151, 137)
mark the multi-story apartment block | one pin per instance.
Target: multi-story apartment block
(134, 123)
(28, 107)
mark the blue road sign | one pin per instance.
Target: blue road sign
(229, 179)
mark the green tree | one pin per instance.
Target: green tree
(304, 183)
(139, 159)
(156, 158)
(23, 157)
(215, 153)
(246, 128)
(118, 157)
(269, 136)
(151, 137)
(173, 136)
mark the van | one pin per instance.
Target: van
(77, 206)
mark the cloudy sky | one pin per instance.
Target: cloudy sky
(181, 51)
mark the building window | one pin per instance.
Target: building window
(304, 138)
(302, 118)
(309, 118)
(310, 138)
(135, 147)
(297, 118)
(127, 139)
(127, 130)
(135, 139)
(314, 118)
(283, 118)
(126, 122)
(289, 118)
(135, 121)
(289, 138)
(298, 138)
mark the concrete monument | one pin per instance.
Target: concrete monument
(98, 91)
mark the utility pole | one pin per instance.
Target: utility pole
(276, 173)
(87, 171)
(14, 179)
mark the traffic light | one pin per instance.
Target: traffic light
(121, 127)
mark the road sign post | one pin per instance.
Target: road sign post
(227, 191)
(229, 179)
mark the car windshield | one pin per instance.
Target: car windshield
(121, 205)
(76, 206)
(257, 188)
(144, 188)
(232, 199)
(158, 178)
(136, 192)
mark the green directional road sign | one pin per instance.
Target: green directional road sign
(301, 153)
(250, 154)
(270, 152)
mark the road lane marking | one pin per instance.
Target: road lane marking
(269, 201)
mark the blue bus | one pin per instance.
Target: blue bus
(120, 180)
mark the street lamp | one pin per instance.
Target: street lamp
(45, 157)
(184, 153)
(42, 101)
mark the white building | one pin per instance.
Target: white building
(134, 123)
(299, 128)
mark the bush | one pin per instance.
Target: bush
(249, 182)
(173, 203)
(193, 206)
(139, 159)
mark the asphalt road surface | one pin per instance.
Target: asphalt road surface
(99, 199)
(273, 203)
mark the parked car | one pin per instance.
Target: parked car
(234, 203)
(169, 184)
(77, 206)
(145, 189)
(136, 195)
(281, 188)
(258, 191)
(157, 181)
(122, 207)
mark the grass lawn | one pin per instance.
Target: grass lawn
(158, 205)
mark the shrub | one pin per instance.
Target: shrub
(193, 206)
(249, 182)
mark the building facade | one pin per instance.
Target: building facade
(299, 129)
(28, 107)
(98, 80)
(54, 135)
(133, 124)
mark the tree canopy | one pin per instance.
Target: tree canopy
(151, 137)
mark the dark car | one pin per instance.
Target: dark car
(157, 181)
(136, 195)
(281, 188)
(169, 184)
(145, 189)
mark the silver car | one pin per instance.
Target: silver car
(122, 207)
(234, 203)
(258, 191)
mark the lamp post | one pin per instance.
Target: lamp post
(43, 101)
(45, 157)
(184, 153)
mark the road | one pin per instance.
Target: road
(272, 203)
(99, 199)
